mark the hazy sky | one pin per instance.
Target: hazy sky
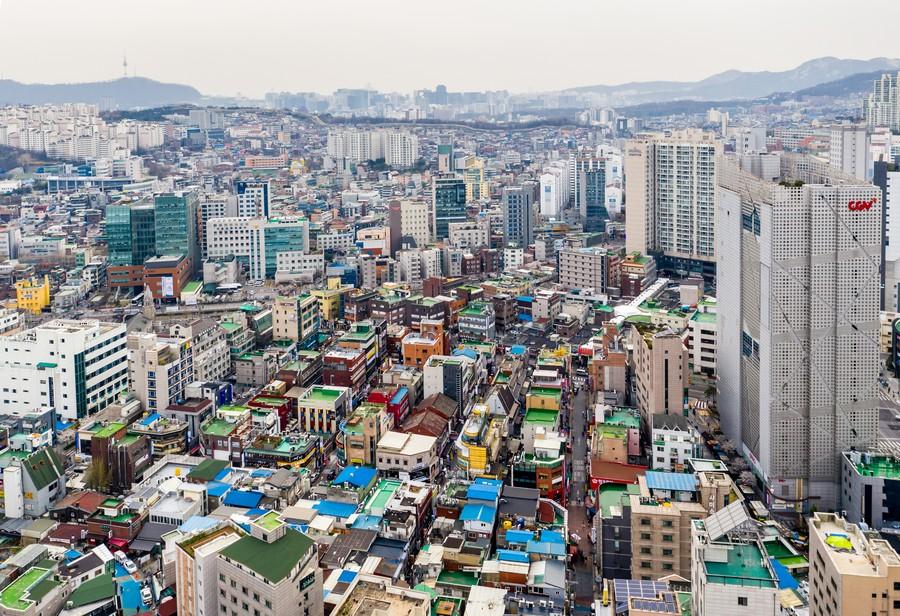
(254, 46)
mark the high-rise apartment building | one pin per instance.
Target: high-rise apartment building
(75, 367)
(445, 158)
(882, 107)
(414, 222)
(798, 293)
(401, 149)
(214, 206)
(849, 150)
(887, 178)
(518, 215)
(448, 203)
(670, 184)
(252, 198)
(477, 187)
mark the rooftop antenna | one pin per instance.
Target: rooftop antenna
(125, 66)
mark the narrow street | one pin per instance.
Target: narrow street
(578, 522)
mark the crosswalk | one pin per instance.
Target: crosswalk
(888, 396)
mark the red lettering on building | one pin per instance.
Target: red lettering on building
(861, 206)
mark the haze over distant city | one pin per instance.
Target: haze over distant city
(231, 47)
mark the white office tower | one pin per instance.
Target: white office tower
(748, 139)
(355, 145)
(401, 149)
(850, 151)
(554, 189)
(670, 195)
(798, 293)
(76, 367)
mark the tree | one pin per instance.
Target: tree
(98, 476)
(747, 478)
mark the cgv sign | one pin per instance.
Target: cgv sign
(861, 206)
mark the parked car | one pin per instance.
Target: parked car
(146, 596)
(130, 567)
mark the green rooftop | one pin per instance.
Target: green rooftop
(542, 416)
(704, 317)
(457, 578)
(111, 503)
(322, 394)
(623, 418)
(381, 494)
(229, 327)
(878, 466)
(192, 286)
(613, 495)
(269, 521)
(94, 590)
(218, 427)
(270, 401)
(273, 561)
(207, 470)
(743, 568)
(14, 596)
(108, 430)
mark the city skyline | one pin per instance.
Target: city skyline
(427, 46)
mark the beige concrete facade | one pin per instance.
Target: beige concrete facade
(660, 365)
(859, 575)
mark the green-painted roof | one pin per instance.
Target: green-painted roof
(459, 578)
(43, 467)
(108, 430)
(743, 568)
(207, 470)
(273, 561)
(96, 589)
(229, 326)
(192, 286)
(541, 416)
(218, 427)
(12, 596)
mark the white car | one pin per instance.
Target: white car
(146, 596)
(130, 567)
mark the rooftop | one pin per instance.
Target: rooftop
(872, 465)
(16, 596)
(108, 430)
(273, 561)
(744, 567)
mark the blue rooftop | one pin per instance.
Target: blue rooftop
(519, 536)
(346, 576)
(512, 556)
(482, 513)
(356, 476)
(467, 352)
(525, 298)
(217, 488)
(335, 509)
(223, 474)
(262, 472)
(197, 522)
(543, 547)
(247, 499)
(484, 481)
(785, 579)
(403, 391)
(517, 350)
(552, 536)
(367, 522)
(485, 493)
(681, 482)
(146, 421)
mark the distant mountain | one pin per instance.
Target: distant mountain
(854, 84)
(734, 84)
(124, 93)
